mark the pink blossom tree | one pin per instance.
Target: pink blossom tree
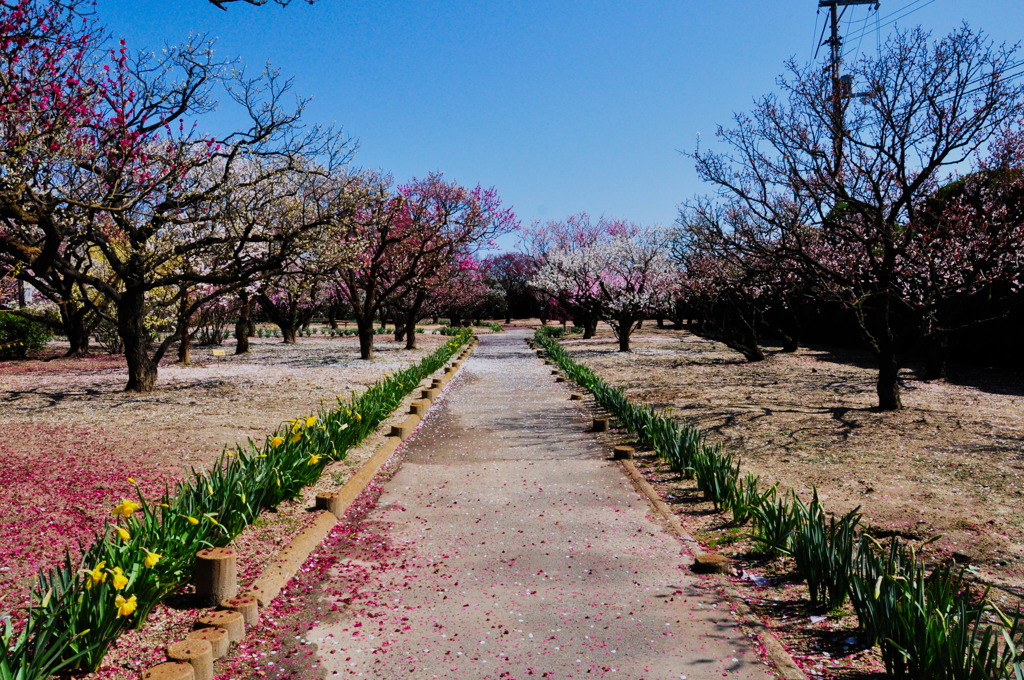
(412, 235)
(841, 199)
(508, 275)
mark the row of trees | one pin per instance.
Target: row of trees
(115, 208)
(905, 209)
(904, 212)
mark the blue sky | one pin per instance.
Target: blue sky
(562, 106)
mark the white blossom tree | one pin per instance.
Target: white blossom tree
(622, 276)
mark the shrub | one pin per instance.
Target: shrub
(19, 336)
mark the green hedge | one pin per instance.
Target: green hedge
(148, 552)
(19, 336)
(929, 625)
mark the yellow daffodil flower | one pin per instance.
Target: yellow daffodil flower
(151, 559)
(212, 520)
(123, 533)
(295, 437)
(97, 575)
(131, 480)
(209, 489)
(276, 441)
(119, 580)
(125, 607)
(125, 508)
(192, 520)
(358, 417)
(313, 460)
(311, 421)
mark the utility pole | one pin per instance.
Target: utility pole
(840, 91)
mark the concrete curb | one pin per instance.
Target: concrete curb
(774, 650)
(330, 508)
(783, 661)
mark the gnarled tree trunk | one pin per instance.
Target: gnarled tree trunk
(131, 315)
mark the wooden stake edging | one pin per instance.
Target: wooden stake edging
(246, 605)
(420, 407)
(198, 653)
(231, 621)
(172, 670)
(575, 397)
(623, 452)
(404, 429)
(215, 575)
(784, 664)
(600, 425)
(216, 636)
(219, 628)
(269, 584)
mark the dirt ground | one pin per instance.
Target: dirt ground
(951, 463)
(72, 437)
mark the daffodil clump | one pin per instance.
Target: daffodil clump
(148, 547)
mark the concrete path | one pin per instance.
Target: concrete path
(509, 546)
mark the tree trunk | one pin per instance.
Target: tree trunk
(185, 347)
(242, 326)
(131, 315)
(888, 385)
(399, 329)
(73, 322)
(936, 355)
(332, 317)
(589, 328)
(365, 329)
(410, 329)
(288, 333)
(184, 336)
(624, 333)
(660, 321)
(741, 338)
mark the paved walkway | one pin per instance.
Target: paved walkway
(509, 546)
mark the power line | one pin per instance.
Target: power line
(906, 10)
